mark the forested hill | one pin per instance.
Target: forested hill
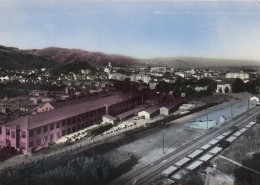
(12, 58)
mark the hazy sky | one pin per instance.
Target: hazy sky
(139, 28)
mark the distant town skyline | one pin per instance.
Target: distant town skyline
(141, 28)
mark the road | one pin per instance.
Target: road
(151, 172)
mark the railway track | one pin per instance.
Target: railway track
(149, 173)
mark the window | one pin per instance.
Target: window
(63, 122)
(12, 134)
(38, 131)
(23, 134)
(52, 126)
(45, 128)
(38, 142)
(0, 130)
(31, 144)
(68, 131)
(8, 132)
(63, 133)
(58, 125)
(58, 135)
(31, 133)
(22, 145)
(51, 137)
(68, 121)
(46, 138)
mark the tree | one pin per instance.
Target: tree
(226, 90)
(238, 86)
(220, 89)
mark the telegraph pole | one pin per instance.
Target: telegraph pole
(231, 111)
(207, 121)
(163, 142)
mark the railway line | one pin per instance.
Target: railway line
(152, 172)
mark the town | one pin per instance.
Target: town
(42, 113)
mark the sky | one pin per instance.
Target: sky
(137, 28)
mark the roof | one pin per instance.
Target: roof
(182, 161)
(216, 150)
(195, 153)
(152, 109)
(194, 165)
(133, 111)
(109, 117)
(174, 104)
(44, 118)
(206, 157)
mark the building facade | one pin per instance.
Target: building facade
(38, 130)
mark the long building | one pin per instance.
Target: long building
(37, 130)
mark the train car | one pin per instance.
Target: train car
(182, 162)
(213, 142)
(220, 137)
(258, 119)
(223, 144)
(195, 165)
(168, 171)
(179, 175)
(231, 139)
(195, 154)
(206, 157)
(206, 147)
(215, 150)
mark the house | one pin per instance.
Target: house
(109, 119)
(153, 84)
(171, 107)
(39, 93)
(254, 99)
(222, 87)
(45, 107)
(241, 75)
(198, 88)
(150, 113)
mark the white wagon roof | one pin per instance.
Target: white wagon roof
(179, 174)
(213, 142)
(231, 139)
(195, 165)
(243, 129)
(205, 147)
(215, 150)
(169, 170)
(195, 153)
(226, 133)
(252, 123)
(206, 157)
(220, 137)
(238, 133)
(182, 161)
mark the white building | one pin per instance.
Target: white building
(241, 75)
(221, 88)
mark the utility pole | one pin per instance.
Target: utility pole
(207, 121)
(163, 142)
(231, 111)
(19, 108)
(248, 104)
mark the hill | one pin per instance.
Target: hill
(68, 56)
(12, 58)
(199, 62)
